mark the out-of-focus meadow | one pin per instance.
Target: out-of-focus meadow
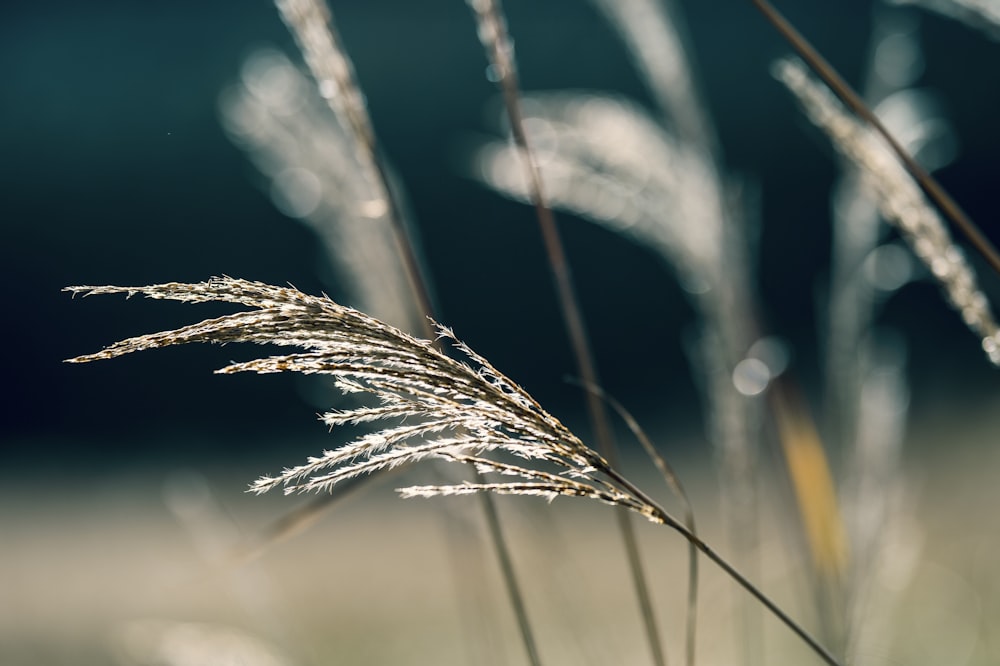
(137, 567)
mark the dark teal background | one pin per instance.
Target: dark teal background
(114, 169)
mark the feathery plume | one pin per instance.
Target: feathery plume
(654, 34)
(900, 202)
(981, 14)
(275, 114)
(837, 85)
(310, 21)
(864, 270)
(606, 159)
(441, 408)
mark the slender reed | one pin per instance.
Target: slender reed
(310, 162)
(673, 482)
(610, 161)
(500, 51)
(311, 23)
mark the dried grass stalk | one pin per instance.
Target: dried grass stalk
(441, 408)
(492, 28)
(437, 407)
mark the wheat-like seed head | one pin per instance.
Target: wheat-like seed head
(427, 404)
(460, 411)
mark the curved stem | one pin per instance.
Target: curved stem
(674, 483)
(660, 514)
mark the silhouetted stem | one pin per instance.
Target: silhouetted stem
(674, 483)
(493, 34)
(660, 514)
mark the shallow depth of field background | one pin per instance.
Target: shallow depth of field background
(121, 482)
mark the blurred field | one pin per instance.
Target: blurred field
(382, 581)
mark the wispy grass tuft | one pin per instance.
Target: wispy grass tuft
(440, 407)
(310, 164)
(900, 202)
(461, 411)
